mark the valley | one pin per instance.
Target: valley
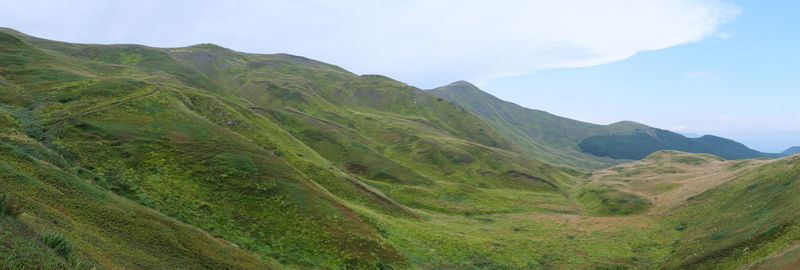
(202, 157)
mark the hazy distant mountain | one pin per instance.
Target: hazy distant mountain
(791, 151)
(641, 144)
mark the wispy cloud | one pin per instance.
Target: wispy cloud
(426, 43)
(678, 128)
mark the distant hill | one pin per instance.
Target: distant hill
(550, 137)
(640, 145)
(566, 141)
(791, 151)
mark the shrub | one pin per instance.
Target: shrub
(59, 243)
(9, 205)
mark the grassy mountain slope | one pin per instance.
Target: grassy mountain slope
(550, 137)
(103, 229)
(726, 214)
(583, 145)
(270, 152)
(181, 150)
(206, 158)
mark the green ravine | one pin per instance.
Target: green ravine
(132, 157)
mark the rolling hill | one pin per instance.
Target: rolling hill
(562, 140)
(201, 157)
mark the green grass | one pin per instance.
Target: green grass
(206, 158)
(59, 243)
(545, 136)
(721, 225)
(604, 200)
(21, 248)
(10, 206)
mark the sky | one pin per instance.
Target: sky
(722, 67)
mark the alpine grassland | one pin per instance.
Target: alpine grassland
(201, 157)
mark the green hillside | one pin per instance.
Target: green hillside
(562, 140)
(546, 136)
(200, 157)
(289, 160)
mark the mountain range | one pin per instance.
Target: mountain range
(201, 157)
(565, 141)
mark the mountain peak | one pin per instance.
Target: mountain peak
(459, 86)
(628, 123)
(462, 83)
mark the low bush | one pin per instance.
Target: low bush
(59, 243)
(10, 205)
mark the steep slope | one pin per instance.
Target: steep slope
(565, 141)
(295, 161)
(105, 230)
(166, 145)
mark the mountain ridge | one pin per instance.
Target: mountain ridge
(623, 140)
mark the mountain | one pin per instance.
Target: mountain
(791, 151)
(293, 161)
(549, 137)
(201, 157)
(640, 144)
(565, 141)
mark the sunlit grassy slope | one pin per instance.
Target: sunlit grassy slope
(206, 158)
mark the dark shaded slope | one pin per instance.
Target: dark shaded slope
(640, 145)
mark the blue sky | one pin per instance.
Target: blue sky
(721, 67)
(743, 85)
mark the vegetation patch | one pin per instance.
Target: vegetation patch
(59, 243)
(604, 200)
(10, 206)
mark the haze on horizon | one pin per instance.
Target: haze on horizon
(694, 66)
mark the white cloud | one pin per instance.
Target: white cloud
(422, 42)
(678, 128)
(724, 35)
